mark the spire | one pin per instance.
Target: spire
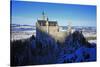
(43, 15)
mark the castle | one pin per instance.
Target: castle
(52, 28)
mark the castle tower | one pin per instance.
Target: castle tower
(69, 27)
(47, 25)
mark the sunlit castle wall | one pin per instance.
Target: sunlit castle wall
(52, 29)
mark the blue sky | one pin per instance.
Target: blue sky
(28, 13)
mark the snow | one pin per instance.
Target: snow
(92, 41)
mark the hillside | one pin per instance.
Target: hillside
(43, 49)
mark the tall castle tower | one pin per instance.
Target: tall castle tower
(47, 25)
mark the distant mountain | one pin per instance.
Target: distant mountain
(19, 27)
(77, 28)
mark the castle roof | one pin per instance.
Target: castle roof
(43, 23)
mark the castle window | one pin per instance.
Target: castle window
(42, 22)
(52, 23)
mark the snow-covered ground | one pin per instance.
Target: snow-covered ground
(90, 34)
(22, 35)
(22, 31)
(92, 41)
